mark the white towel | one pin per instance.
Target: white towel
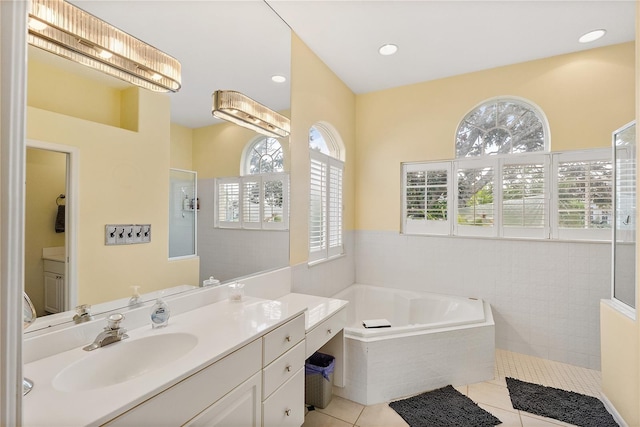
(376, 323)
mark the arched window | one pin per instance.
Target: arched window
(502, 126)
(263, 155)
(505, 182)
(326, 153)
(259, 198)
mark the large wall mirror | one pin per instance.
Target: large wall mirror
(123, 143)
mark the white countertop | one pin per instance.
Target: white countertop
(221, 328)
(317, 308)
(54, 254)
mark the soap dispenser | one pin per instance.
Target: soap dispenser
(160, 313)
(135, 299)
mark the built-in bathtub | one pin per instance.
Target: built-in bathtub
(434, 340)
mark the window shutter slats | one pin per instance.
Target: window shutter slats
(523, 195)
(584, 194)
(317, 207)
(252, 202)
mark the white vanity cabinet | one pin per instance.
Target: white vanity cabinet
(283, 375)
(208, 397)
(54, 287)
(261, 383)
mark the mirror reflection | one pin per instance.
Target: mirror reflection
(126, 142)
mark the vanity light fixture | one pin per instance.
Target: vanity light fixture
(240, 109)
(388, 49)
(68, 31)
(592, 36)
(278, 78)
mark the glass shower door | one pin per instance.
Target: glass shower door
(624, 247)
(183, 208)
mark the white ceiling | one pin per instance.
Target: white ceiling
(239, 45)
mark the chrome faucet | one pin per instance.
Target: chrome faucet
(111, 333)
(83, 313)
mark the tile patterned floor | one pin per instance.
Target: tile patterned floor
(492, 396)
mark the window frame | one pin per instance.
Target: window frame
(260, 179)
(326, 250)
(551, 229)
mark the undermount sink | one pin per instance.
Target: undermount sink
(123, 361)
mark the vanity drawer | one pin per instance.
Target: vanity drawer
(53, 266)
(285, 407)
(324, 331)
(180, 403)
(282, 339)
(281, 369)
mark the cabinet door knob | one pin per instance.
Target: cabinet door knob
(287, 412)
(288, 368)
(329, 331)
(287, 338)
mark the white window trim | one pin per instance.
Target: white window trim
(426, 226)
(326, 251)
(604, 154)
(260, 179)
(550, 231)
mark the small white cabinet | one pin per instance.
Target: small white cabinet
(54, 286)
(240, 408)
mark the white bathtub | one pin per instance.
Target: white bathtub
(434, 340)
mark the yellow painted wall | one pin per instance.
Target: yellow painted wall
(620, 367)
(181, 154)
(124, 179)
(217, 149)
(585, 96)
(46, 180)
(317, 94)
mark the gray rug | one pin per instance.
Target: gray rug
(444, 407)
(567, 406)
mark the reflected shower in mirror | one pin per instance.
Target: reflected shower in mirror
(129, 138)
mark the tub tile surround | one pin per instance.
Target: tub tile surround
(545, 296)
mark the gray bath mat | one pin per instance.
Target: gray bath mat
(567, 406)
(444, 407)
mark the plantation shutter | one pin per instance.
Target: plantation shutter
(426, 198)
(275, 201)
(325, 206)
(525, 198)
(334, 217)
(227, 203)
(584, 204)
(251, 202)
(317, 207)
(475, 210)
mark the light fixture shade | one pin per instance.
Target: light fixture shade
(68, 31)
(240, 109)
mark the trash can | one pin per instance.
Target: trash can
(318, 381)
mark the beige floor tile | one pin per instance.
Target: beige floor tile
(318, 419)
(462, 389)
(533, 421)
(380, 415)
(548, 420)
(342, 409)
(508, 418)
(490, 394)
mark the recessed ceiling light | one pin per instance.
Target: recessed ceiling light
(279, 79)
(592, 36)
(388, 49)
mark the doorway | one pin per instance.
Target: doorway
(49, 229)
